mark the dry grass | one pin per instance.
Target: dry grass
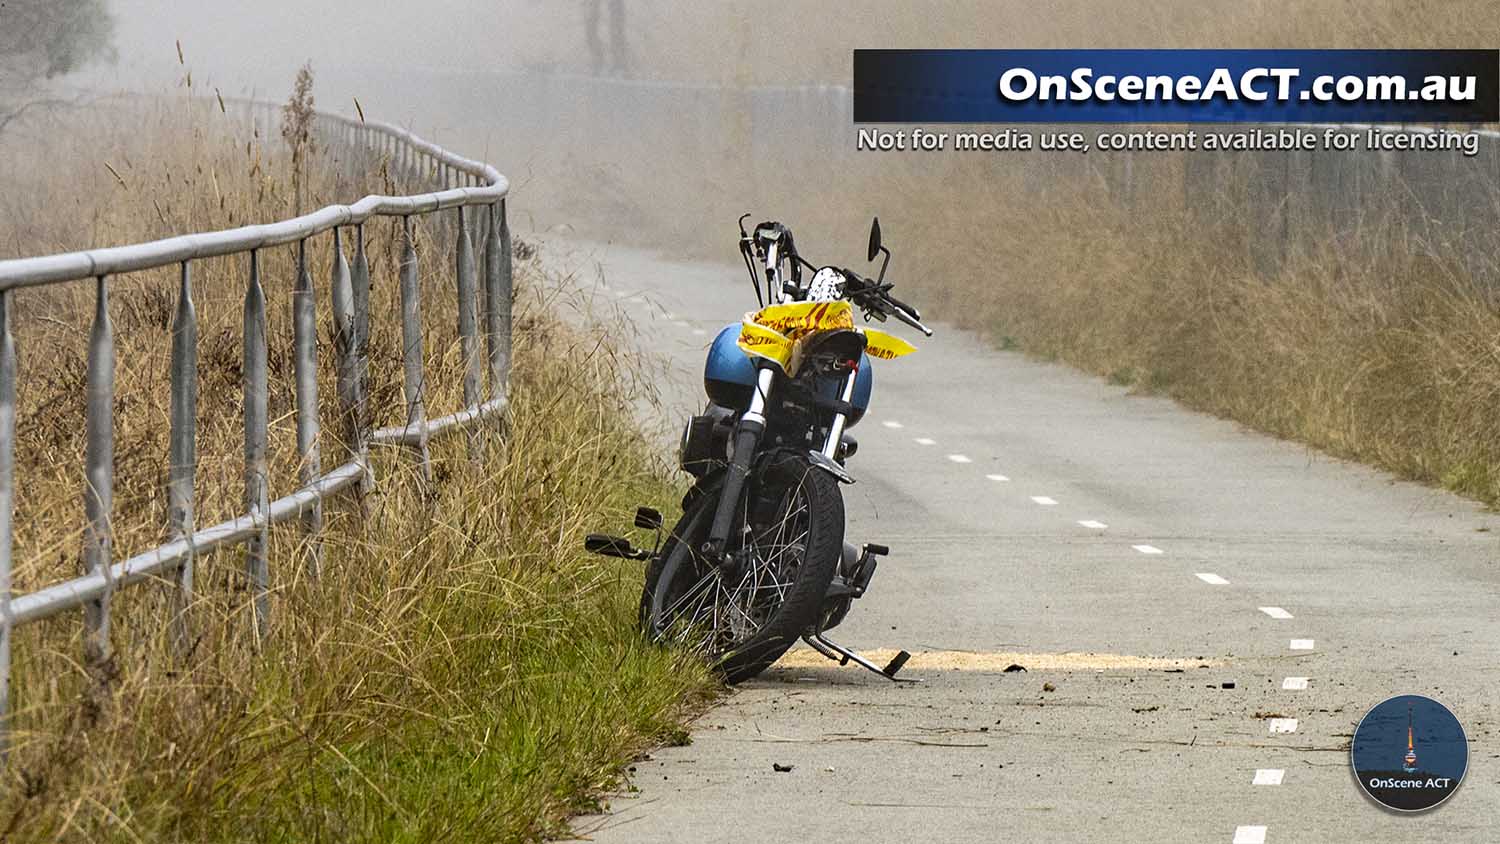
(460, 671)
(1378, 344)
(1373, 340)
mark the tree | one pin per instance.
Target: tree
(40, 39)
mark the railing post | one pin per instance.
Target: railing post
(360, 346)
(305, 365)
(341, 292)
(468, 323)
(183, 451)
(477, 216)
(412, 356)
(257, 480)
(99, 466)
(497, 289)
(7, 502)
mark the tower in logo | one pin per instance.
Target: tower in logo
(1409, 764)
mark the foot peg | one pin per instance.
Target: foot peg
(613, 546)
(834, 651)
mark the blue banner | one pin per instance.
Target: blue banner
(1176, 86)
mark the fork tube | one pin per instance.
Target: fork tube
(773, 276)
(746, 440)
(836, 430)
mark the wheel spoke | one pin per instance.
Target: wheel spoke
(672, 610)
(770, 541)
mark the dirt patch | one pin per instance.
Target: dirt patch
(997, 662)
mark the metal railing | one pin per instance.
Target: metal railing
(478, 201)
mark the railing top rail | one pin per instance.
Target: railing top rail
(71, 266)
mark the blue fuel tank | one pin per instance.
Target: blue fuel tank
(729, 376)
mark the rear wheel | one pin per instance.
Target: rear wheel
(784, 548)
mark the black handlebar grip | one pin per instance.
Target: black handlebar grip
(903, 306)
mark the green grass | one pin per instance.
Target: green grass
(462, 671)
(543, 724)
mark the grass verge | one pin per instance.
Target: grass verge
(1375, 343)
(458, 670)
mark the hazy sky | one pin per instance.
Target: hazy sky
(246, 43)
(261, 42)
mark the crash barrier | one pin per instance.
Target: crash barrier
(473, 192)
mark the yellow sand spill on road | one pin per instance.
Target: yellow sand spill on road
(1001, 660)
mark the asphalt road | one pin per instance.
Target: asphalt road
(1034, 511)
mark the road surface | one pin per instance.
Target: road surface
(1033, 512)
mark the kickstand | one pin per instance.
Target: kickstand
(843, 656)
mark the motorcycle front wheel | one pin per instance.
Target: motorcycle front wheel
(785, 546)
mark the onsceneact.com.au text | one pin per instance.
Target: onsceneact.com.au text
(1257, 84)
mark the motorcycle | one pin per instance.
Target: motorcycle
(758, 558)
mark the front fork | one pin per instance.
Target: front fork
(746, 441)
(747, 436)
(836, 429)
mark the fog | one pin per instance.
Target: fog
(505, 80)
(448, 69)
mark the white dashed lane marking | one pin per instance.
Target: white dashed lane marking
(924, 441)
(1302, 644)
(698, 332)
(1268, 776)
(997, 478)
(959, 458)
(1294, 684)
(1282, 725)
(891, 423)
(1043, 500)
(680, 324)
(1211, 579)
(1249, 835)
(1093, 525)
(1276, 612)
(1148, 549)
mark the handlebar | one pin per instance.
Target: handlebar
(771, 242)
(875, 299)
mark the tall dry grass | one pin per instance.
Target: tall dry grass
(459, 670)
(1374, 336)
(1367, 329)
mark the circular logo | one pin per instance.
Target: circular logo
(1409, 753)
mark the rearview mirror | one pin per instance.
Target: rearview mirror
(874, 239)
